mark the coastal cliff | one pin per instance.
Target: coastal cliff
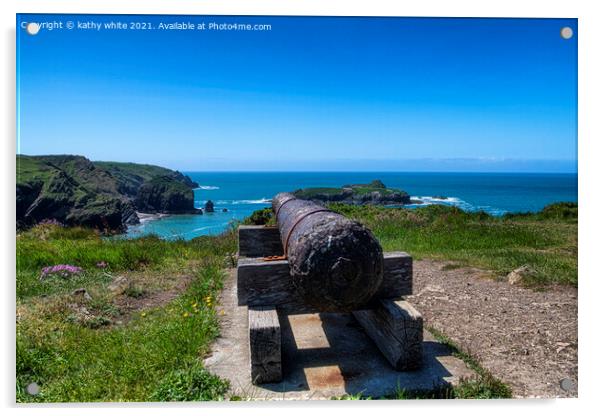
(105, 195)
(373, 193)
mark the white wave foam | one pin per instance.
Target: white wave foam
(207, 187)
(195, 230)
(243, 201)
(456, 202)
(449, 200)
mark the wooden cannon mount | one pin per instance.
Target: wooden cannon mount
(265, 287)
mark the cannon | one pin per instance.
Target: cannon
(319, 262)
(335, 264)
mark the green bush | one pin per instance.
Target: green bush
(261, 217)
(190, 384)
(561, 210)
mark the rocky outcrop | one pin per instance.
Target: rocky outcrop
(165, 195)
(103, 195)
(110, 214)
(209, 206)
(519, 275)
(373, 193)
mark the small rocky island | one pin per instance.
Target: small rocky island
(104, 195)
(373, 193)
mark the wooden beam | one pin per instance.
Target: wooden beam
(265, 345)
(262, 282)
(259, 241)
(396, 329)
(397, 276)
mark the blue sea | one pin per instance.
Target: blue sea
(241, 193)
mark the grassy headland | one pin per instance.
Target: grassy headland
(103, 195)
(147, 316)
(373, 193)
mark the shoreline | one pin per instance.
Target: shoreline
(145, 217)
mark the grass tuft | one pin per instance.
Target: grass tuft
(190, 384)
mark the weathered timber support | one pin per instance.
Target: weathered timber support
(396, 328)
(259, 241)
(265, 345)
(335, 264)
(267, 282)
(397, 276)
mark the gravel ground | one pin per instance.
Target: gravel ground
(526, 338)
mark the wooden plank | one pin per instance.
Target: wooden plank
(396, 328)
(259, 241)
(265, 345)
(262, 282)
(397, 276)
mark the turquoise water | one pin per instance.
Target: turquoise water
(241, 193)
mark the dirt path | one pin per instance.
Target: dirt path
(526, 338)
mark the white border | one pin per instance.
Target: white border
(590, 161)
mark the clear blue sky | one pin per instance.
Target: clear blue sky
(310, 94)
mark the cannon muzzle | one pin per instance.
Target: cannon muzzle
(336, 264)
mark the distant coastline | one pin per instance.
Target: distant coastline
(242, 193)
(129, 198)
(108, 196)
(145, 216)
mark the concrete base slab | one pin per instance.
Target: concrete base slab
(323, 355)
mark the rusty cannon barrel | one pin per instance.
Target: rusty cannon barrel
(336, 264)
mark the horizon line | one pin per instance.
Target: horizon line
(374, 171)
(563, 166)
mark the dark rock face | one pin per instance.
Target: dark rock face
(128, 215)
(379, 198)
(164, 195)
(103, 214)
(102, 195)
(185, 180)
(209, 206)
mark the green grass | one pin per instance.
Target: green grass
(545, 241)
(134, 171)
(313, 192)
(32, 169)
(155, 353)
(47, 245)
(190, 384)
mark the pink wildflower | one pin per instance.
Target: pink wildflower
(61, 270)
